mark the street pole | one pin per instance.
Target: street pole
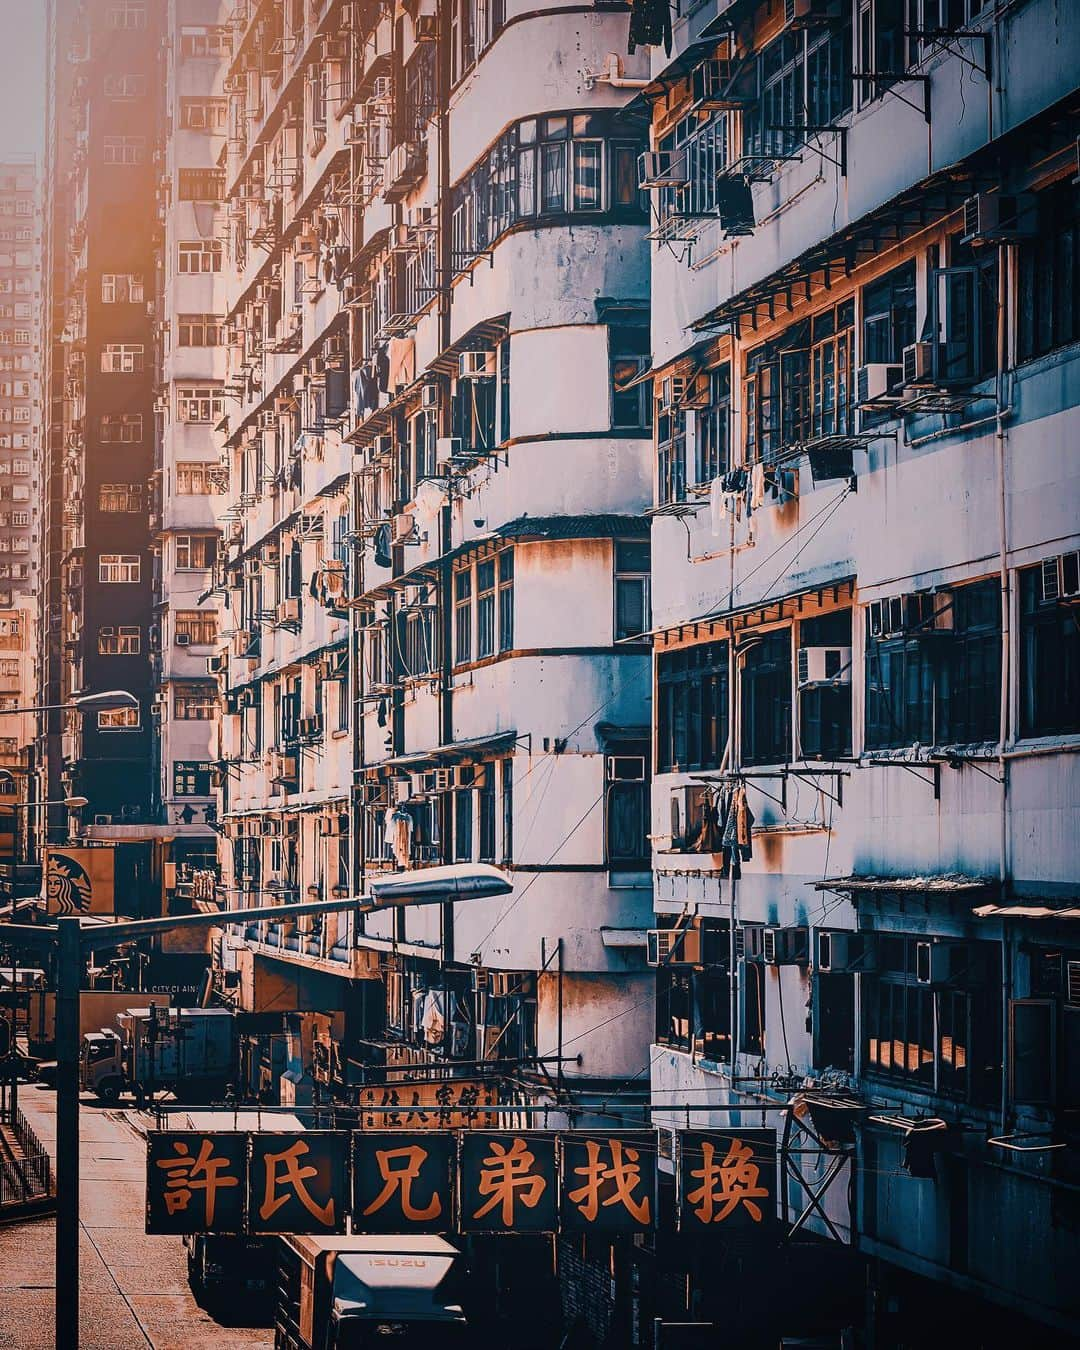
(68, 978)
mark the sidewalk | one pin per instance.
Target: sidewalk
(135, 1292)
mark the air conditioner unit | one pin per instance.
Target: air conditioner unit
(1060, 578)
(504, 983)
(1072, 982)
(288, 611)
(478, 365)
(880, 381)
(183, 639)
(426, 28)
(448, 448)
(918, 363)
(750, 942)
(443, 779)
(404, 527)
(990, 217)
(938, 963)
(310, 726)
(382, 446)
(824, 665)
(840, 952)
(785, 946)
(679, 946)
(215, 665)
(429, 395)
(100, 819)
(400, 788)
(306, 245)
(686, 805)
(672, 392)
(662, 168)
(334, 49)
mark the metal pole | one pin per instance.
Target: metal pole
(68, 963)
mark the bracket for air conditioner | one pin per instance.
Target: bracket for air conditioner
(913, 767)
(944, 40)
(890, 78)
(838, 160)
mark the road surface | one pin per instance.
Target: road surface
(135, 1292)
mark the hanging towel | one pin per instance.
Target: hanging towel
(717, 505)
(757, 486)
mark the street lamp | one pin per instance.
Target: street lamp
(108, 698)
(71, 942)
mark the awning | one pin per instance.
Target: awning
(942, 884)
(466, 749)
(1026, 911)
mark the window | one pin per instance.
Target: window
(127, 14)
(752, 1003)
(21, 415)
(120, 498)
(119, 568)
(200, 330)
(199, 255)
(1050, 650)
(628, 353)
(195, 552)
(765, 698)
(209, 41)
(506, 600)
(203, 403)
(125, 86)
(203, 114)
(119, 719)
(20, 518)
(507, 810)
(120, 358)
(194, 702)
(1049, 275)
(670, 454)
(963, 314)
(421, 643)
(201, 185)
(119, 288)
(486, 822)
(713, 429)
(121, 429)
(124, 149)
(463, 825)
(559, 165)
(485, 608)
(192, 778)
(693, 1009)
(803, 79)
(888, 306)
(825, 699)
(631, 588)
(196, 628)
(22, 337)
(121, 641)
(463, 616)
(945, 1037)
(932, 684)
(692, 707)
(627, 810)
(199, 480)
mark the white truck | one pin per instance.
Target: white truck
(190, 1051)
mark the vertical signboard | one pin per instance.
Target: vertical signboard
(195, 1182)
(727, 1180)
(403, 1183)
(509, 1183)
(609, 1181)
(298, 1183)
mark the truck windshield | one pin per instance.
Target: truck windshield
(389, 1334)
(96, 1050)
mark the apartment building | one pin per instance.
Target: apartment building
(189, 480)
(865, 580)
(435, 574)
(101, 217)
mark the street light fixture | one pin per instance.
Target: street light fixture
(108, 698)
(71, 941)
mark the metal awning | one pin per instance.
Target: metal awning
(941, 884)
(476, 745)
(1019, 910)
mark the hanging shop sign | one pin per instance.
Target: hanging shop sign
(80, 881)
(465, 1181)
(426, 1106)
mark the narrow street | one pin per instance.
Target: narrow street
(135, 1291)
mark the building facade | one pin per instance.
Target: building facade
(101, 230)
(864, 605)
(187, 490)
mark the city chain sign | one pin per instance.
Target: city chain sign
(469, 1181)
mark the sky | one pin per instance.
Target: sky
(22, 76)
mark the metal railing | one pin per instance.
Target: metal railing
(25, 1166)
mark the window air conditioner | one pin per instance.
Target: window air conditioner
(938, 963)
(750, 942)
(662, 168)
(840, 952)
(477, 365)
(404, 528)
(183, 639)
(426, 28)
(673, 946)
(444, 779)
(879, 381)
(918, 363)
(382, 446)
(401, 789)
(1072, 982)
(429, 396)
(824, 665)
(1060, 578)
(306, 244)
(990, 217)
(785, 946)
(504, 983)
(288, 611)
(686, 817)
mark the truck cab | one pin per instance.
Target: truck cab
(101, 1064)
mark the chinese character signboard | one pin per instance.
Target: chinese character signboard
(298, 1183)
(509, 1183)
(403, 1183)
(408, 1106)
(465, 1181)
(195, 1182)
(609, 1181)
(727, 1179)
